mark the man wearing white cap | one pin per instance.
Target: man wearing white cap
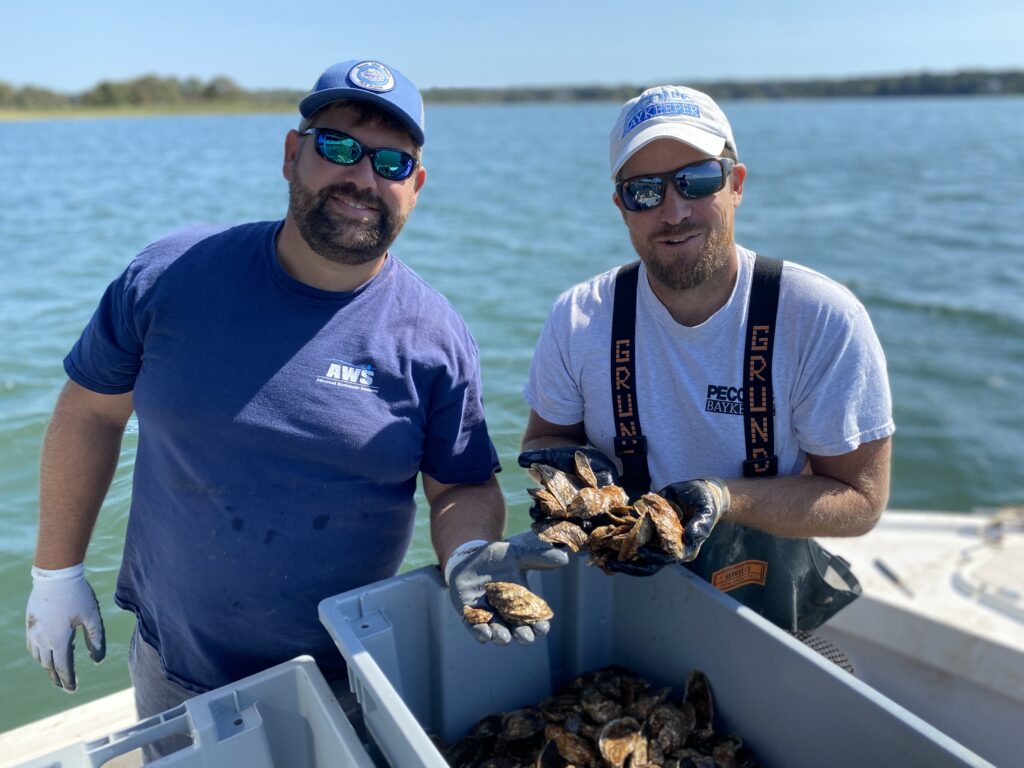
(292, 380)
(751, 391)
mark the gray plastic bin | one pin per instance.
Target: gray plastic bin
(415, 669)
(283, 716)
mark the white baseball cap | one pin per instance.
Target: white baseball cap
(669, 112)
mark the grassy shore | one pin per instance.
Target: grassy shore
(87, 113)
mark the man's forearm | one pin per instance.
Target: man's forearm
(801, 506)
(464, 512)
(80, 453)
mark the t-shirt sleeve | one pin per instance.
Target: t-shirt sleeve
(107, 356)
(842, 397)
(458, 448)
(552, 389)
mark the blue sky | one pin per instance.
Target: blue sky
(70, 45)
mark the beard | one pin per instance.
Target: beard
(336, 237)
(684, 273)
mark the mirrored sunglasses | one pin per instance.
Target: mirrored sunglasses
(341, 149)
(694, 181)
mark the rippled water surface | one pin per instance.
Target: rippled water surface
(916, 205)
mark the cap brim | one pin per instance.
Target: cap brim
(314, 102)
(687, 134)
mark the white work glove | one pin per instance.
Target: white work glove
(61, 601)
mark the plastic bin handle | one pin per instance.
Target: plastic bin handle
(170, 723)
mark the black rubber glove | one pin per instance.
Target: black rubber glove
(563, 457)
(701, 502)
(501, 561)
(647, 562)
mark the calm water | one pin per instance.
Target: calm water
(916, 205)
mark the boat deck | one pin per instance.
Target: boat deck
(940, 626)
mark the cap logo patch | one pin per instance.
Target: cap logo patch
(371, 76)
(659, 108)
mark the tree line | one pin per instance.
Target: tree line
(147, 91)
(151, 91)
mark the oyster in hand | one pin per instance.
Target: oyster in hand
(516, 604)
(475, 616)
(563, 532)
(666, 522)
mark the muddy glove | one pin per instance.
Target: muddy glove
(60, 602)
(476, 563)
(701, 504)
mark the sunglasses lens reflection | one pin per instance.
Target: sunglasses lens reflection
(699, 180)
(339, 149)
(643, 193)
(393, 164)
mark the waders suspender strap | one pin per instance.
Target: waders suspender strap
(758, 409)
(758, 403)
(630, 444)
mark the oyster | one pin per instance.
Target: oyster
(584, 471)
(645, 705)
(641, 533)
(572, 747)
(589, 502)
(547, 503)
(668, 529)
(516, 604)
(557, 483)
(476, 615)
(563, 532)
(558, 709)
(521, 724)
(599, 707)
(670, 727)
(698, 695)
(618, 740)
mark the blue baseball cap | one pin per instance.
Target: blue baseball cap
(372, 82)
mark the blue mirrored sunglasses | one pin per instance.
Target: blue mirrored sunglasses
(341, 149)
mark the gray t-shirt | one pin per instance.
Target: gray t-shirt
(828, 373)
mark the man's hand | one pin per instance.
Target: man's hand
(701, 504)
(499, 561)
(60, 602)
(563, 457)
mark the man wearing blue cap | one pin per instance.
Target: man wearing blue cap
(291, 380)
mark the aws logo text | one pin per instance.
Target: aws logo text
(348, 375)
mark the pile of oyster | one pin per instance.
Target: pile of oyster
(575, 512)
(611, 717)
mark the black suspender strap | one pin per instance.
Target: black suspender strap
(630, 444)
(758, 402)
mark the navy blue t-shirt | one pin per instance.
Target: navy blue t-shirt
(281, 430)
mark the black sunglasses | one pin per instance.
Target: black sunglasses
(341, 149)
(642, 193)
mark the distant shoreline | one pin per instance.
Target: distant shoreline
(150, 95)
